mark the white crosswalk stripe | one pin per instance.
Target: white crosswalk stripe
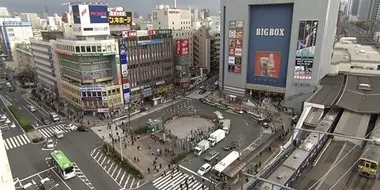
(20, 140)
(176, 180)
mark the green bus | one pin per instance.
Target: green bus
(64, 165)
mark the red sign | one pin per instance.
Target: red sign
(267, 64)
(129, 33)
(182, 47)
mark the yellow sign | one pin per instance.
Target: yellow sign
(118, 20)
(164, 89)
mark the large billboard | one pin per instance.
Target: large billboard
(267, 64)
(235, 39)
(120, 18)
(182, 47)
(124, 70)
(90, 14)
(269, 40)
(307, 36)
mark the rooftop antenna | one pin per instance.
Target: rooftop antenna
(175, 4)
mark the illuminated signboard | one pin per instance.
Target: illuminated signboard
(123, 19)
(98, 13)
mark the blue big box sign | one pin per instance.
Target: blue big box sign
(98, 14)
(269, 34)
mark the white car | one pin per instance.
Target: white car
(3, 118)
(71, 127)
(204, 169)
(31, 108)
(50, 143)
(8, 121)
(13, 125)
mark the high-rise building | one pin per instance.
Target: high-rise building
(276, 48)
(32, 18)
(355, 7)
(146, 61)
(369, 10)
(183, 56)
(163, 17)
(204, 13)
(46, 65)
(206, 48)
(90, 76)
(4, 12)
(12, 33)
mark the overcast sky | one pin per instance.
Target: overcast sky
(142, 6)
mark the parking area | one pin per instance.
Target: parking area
(52, 174)
(113, 169)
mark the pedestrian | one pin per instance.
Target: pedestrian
(138, 159)
(148, 170)
(160, 166)
(134, 158)
(125, 144)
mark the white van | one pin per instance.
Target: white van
(227, 125)
(58, 133)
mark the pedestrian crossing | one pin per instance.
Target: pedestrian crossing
(177, 180)
(14, 142)
(20, 140)
(49, 131)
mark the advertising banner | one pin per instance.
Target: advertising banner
(93, 89)
(150, 42)
(165, 31)
(121, 20)
(98, 14)
(76, 14)
(235, 43)
(51, 61)
(307, 36)
(91, 99)
(124, 70)
(267, 64)
(182, 47)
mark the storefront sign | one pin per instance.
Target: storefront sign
(150, 42)
(91, 99)
(93, 89)
(103, 110)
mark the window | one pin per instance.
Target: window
(93, 48)
(88, 48)
(82, 49)
(99, 48)
(77, 49)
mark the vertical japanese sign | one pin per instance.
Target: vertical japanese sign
(235, 45)
(124, 70)
(307, 36)
(51, 61)
(182, 47)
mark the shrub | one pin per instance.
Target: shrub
(179, 157)
(25, 124)
(115, 156)
(141, 130)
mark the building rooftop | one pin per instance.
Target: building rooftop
(358, 99)
(328, 93)
(358, 53)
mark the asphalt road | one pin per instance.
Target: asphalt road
(10, 132)
(16, 99)
(30, 159)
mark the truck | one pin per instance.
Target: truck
(227, 125)
(201, 147)
(219, 116)
(216, 136)
(211, 155)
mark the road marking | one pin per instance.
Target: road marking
(83, 177)
(62, 180)
(23, 140)
(19, 139)
(11, 140)
(109, 169)
(133, 180)
(126, 182)
(118, 173)
(103, 160)
(138, 184)
(6, 145)
(100, 157)
(37, 119)
(122, 177)
(10, 145)
(108, 161)
(114, 170)
(43, 171)
(96, 154)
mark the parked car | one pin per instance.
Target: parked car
(71, 127)
(3, 118)
(202, 91)
(211, 155)
(204, 169)
(31, 108)
(82, 128)
(50, 143)
(231, 146)
(202, 100)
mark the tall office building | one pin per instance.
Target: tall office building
(164, 17)
(89, 74)
(355, 7)
(369, 10)
(183, 57)
(12, 33)
(146, 61)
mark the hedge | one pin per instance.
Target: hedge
(141, 130)
(25, 124)
(179, 157)
(115, 156)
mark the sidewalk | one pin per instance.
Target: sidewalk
(132, 152)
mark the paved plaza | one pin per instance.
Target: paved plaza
(182, 126)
